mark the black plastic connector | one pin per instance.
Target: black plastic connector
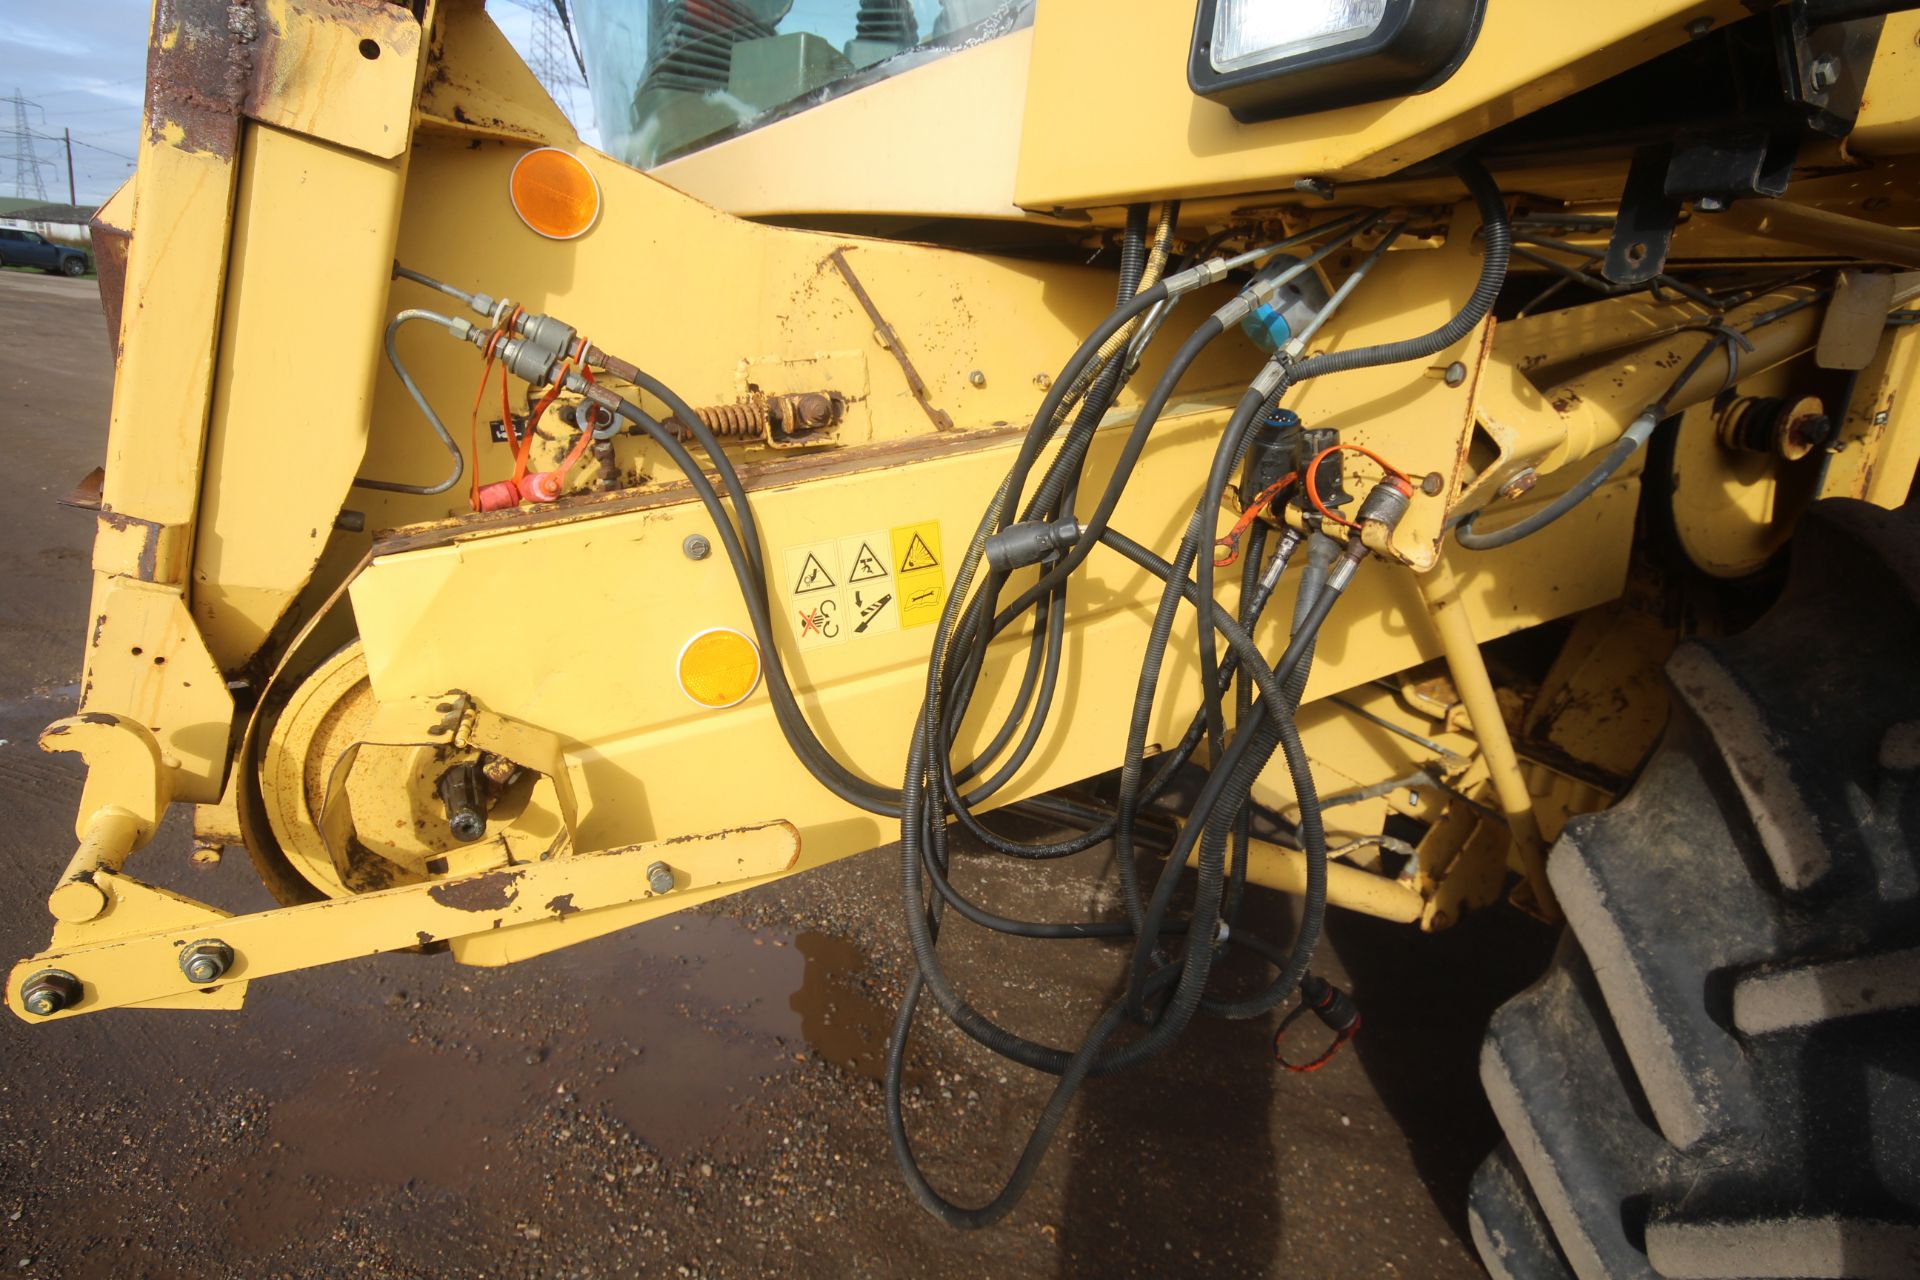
(1330, 1004)
(1333, 1007)
(1328, 479)
(1020, 545)
(1270, 455)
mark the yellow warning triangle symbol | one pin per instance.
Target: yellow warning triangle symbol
(813, 576)
(919, 556)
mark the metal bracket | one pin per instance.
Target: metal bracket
(1643, 230)
(144, 968)
(545, 825)
(883, 331)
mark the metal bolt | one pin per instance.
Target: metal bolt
(1823, 73)
(467, 825)
(660, 878)
(977, 378)
(1520, 483)
(813, 411)
(1455, 375)
(1710, 204)
(697, 547)
(1699, 27)
(205, 961)
(49, 991)
(1044, 381)
(1432, 483)
(1314, 187)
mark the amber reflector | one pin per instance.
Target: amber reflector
(719, 667)
(554, 193)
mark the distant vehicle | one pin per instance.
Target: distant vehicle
(28, 249)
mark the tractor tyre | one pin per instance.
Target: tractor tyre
(1719, 1075)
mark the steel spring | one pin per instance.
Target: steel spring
(744, 420)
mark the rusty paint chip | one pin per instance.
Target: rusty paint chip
(489, 891)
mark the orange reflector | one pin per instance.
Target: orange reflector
(554, 193)
(719, 667)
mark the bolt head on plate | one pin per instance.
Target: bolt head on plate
(49, 991)
(696, 546)
(977, 378)
(205, 961)
(660, 878)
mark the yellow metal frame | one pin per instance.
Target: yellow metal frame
(236, 552)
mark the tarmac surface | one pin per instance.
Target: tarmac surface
(694, 1097)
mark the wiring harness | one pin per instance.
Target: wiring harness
(1247, 702)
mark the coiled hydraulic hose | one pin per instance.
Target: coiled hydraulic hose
(1165, 994)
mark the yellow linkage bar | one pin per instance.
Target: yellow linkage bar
(152, 965)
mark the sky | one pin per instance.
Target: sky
(83, 68)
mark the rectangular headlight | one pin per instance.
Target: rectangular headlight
(1263, 59)
(1248, 33)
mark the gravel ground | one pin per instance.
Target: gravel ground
(695, 1097)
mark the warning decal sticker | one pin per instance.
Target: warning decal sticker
(867, 584)
(813, 597)
(866, 564)
(813, 576)
(918, 572)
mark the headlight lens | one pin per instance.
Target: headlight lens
(1263, 59)
(1248, 33)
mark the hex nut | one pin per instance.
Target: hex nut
(1455, 375)
(660, 877)
(205, 961)
(49, 991)
(977, 378)
(697, 547)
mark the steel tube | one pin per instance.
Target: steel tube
(1441, 591)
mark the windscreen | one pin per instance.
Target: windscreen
(672, 76)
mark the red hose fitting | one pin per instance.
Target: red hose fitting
(502, 495)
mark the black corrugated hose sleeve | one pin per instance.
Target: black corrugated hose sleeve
(1497, 247)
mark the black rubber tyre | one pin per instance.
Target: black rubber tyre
(73, 268)
(1719, 1074)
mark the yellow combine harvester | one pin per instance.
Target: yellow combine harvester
(1330, 416)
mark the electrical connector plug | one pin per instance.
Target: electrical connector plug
(1020, 545)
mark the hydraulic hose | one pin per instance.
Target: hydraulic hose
(1496, 250)
(457, 328)
(1616, 457)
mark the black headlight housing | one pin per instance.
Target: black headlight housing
(1415, 47)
